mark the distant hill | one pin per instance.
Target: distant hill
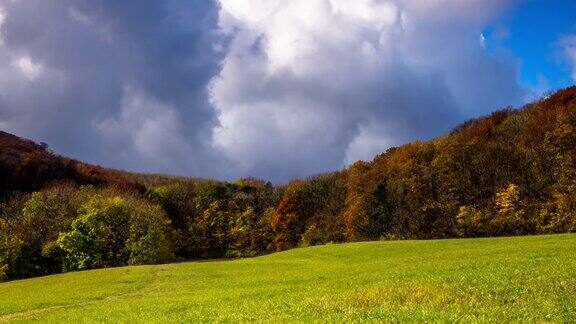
(27, 166)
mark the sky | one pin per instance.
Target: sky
(272, 89)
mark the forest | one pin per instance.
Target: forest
(510, 173)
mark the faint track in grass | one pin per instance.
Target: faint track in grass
(137, 292)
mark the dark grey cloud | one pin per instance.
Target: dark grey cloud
(119, 83)
(231, 88)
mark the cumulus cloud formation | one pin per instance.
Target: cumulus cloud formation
(230, 88)
(309, 85)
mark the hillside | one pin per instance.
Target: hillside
(27, 166)
(510, 173)
(525, 279)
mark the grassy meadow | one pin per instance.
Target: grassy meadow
(526, 279)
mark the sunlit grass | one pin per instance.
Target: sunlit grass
(499, 279)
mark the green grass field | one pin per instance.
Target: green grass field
(527, 279)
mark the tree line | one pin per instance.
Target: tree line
(510, 173)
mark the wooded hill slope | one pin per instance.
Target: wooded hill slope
(27, 166)
(510, 173)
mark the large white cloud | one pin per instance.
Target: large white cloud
(309, 85)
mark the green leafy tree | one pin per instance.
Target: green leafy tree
(151, 239)
(31, 227)
(98, 237)
(115, 231)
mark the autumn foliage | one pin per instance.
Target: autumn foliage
(510, 173)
